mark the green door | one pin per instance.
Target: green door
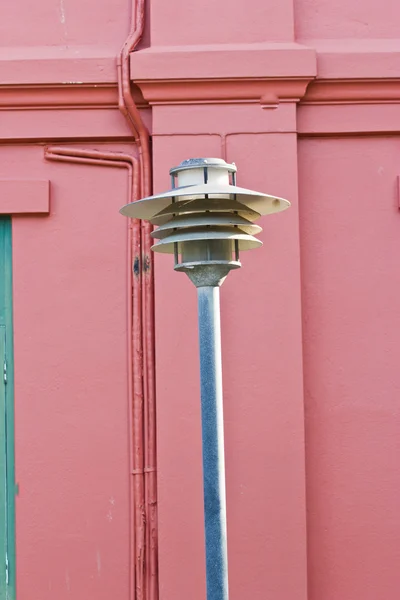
(7, 481)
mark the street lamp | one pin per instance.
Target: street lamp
(205, 220)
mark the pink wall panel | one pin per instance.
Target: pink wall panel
(324, 19)
(222, 22)
(263, 393)
(63, 23)
(350, 247)
(263, 383)
(71, 396)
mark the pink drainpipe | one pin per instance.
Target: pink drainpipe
(144, 547)
(130, 111)
(144, 575)
(135, 347)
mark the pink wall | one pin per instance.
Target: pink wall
(65, 23)
(71, 393)
(349, 221)
(305, 98)
(264, 436)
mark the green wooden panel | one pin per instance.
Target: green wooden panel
(7, 471)
(3, 472)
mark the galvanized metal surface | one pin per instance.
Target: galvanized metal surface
(215, 205)
(195, 163)
(206, 219)
(246, 242)
(148, 207)
(213, 273)
(213, 443)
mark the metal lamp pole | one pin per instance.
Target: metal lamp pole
(213, 443)
(205, 221)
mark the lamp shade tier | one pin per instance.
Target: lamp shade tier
(148, 208)
(216, 206)
(184, 237)
(207, 219)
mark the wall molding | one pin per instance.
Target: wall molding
(24, 197)
(267, 73)
(224, 61)
(52, 65)
(267, 92)
(59, 96)
(323, 72)
(348, 119)
(271, 92)
(353, 91)
(320, 76)
(313, 72)
(357, 58)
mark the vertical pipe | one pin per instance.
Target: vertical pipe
(135, 351)
(213, 443)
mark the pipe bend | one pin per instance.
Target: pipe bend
(146, 585)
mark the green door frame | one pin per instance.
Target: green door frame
(7, 462)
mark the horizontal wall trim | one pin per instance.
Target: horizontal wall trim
(65, 124)
(357, 58)
(353, 91)
(57, 65)
(348, 71)
(24, 197)
(223, 61)
(22, 126)
(324, 72)
(267, 92)
(270, 92)
(267, 75)
(63, 96)
(349, 119)
(324, 59)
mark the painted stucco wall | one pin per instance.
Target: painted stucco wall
(71, 388)
(304, 97)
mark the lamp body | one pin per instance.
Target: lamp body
(205, 220)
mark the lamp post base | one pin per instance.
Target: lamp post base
(208, 275)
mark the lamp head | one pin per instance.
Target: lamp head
(205, 220)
